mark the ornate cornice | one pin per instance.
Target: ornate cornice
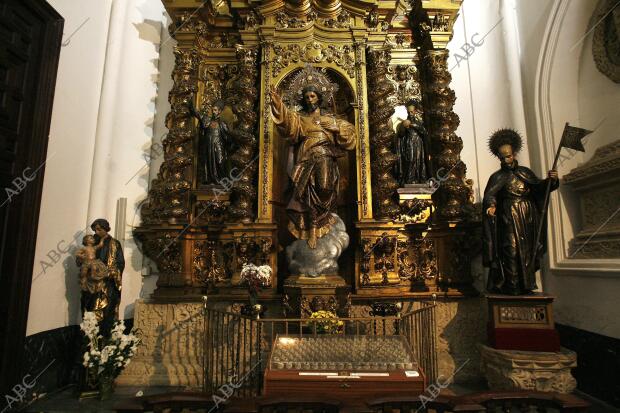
(604, 165)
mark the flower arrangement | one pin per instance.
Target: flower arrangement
(256, 277)
(329, 324)
(104, 359)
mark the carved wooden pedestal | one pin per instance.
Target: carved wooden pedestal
(528, 370)
(305, 295)
(171, 351)
(415, 201)
(523, 322)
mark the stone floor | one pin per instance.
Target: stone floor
(66, 401)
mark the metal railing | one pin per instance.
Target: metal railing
(237, 347)
(418, 327)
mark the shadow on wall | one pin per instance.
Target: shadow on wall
(461, 326)
(150, 31)
(72, 287)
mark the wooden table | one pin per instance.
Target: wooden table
(355, 385)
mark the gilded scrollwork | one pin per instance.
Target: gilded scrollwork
(244, 191)
(309, 305)
(268, 52)
(366, 250)
(378, 261)
(185, 22)
(361, 119)
(211, 211)
(222, 40)
(167, 198)
(313, 52)
(208, 268)
(247, 250)
(342, 21)
(407, 82)
(163, 248)
(415, 210)
(417, 260)
(372, 21)
(440, 22)
(383, 250)
(284, 21)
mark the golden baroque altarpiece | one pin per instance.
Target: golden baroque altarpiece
(380, 55)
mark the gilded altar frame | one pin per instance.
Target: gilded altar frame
(388, 52)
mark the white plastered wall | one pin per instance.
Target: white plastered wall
(106, 108)
(569, 88)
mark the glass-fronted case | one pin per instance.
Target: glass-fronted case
(342, 353)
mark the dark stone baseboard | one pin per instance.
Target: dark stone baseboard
(598, 362)
(52, 355)
(58, 354)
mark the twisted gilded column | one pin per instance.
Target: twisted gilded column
(453, 195)
(245, 160)
(382, 95)
(168, 198)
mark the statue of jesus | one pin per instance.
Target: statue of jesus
(319, 138)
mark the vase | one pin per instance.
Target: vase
(106, 387)
(253, 296)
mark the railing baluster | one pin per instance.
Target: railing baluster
(259, 337)
(271, 335)
(245, 366)
(222, 350)
(224, 357)
(229, 348)
(251, 349)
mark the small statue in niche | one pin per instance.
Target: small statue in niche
(512, 205)
(409, 146)
(213, 144)
(101, 263)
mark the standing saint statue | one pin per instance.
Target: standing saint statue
(101, 263)
(411, 166)
(512, 205)
(319, 139)
(93, 274)
(213, 141)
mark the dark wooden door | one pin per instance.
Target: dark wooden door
(30, 41)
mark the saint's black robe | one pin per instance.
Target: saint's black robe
(410, 148)
(509, 237)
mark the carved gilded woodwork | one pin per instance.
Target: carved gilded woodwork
(417, 260)
(208, 266)
(382, 95)
(383, 54)
(244, 192)
(454, 195)
(164, 249)
(313, 52)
